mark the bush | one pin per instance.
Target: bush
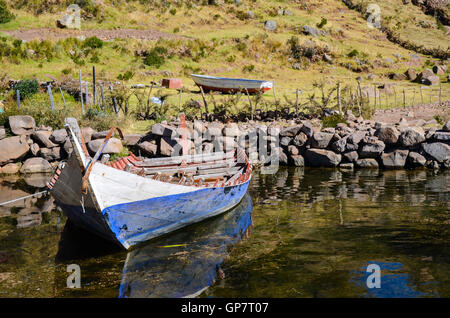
(322, 23)
(27, 88)
(353, 53)
(93, 43)
(5, 14)
(333, 120)
(156, 57)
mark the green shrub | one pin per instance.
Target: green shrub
(156, 57)
(27, 88)
(322, 23)
(125, 76)
(333, 120)
(173, 11)
(5, 14)
(93, 43)
(353, 53)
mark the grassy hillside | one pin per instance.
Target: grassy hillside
(230, 40)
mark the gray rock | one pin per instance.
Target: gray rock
(412, 136)
(58, 136)
(346, 165)
(321, 140)
(290, 131)
(114, 145)
(36, 165)
(148, 148)
(10, 168)
(164, 130)
(68, 147)
(372, 150)
(22, 125)
(351, 156)
(322, 158)
(43, 138)
(300, 139)
(395, 159)
(13, 148)
(132, 140)
(293, 150)
(442, 136)
(285, 141)
(339, 145)
(298, 160)
(416, 160)
(50, 154)
(356, 137)
(367, 163)
(308, 129)
(431, 80)
(308, 30)
(2, 133)
(100, 135)
(437, 150)
(388, 134)
(270, 25)
(446, 127)
(87, 133)
(34, 149)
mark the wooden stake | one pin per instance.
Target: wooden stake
(81, 94)
(50, 94)
(204, 100)
(87, 93)
(114, 101)
(251, 105)
(64, 100)
(18, 98)
(338, 98)
(103, 96)
(94, 85)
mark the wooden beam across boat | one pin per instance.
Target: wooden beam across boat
(187, 159)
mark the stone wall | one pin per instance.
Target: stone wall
(358, 143)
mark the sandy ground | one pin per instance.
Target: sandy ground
(106, 35)
(413, 113)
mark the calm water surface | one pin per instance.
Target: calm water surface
(299, 233)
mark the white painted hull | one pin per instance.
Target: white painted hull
(225, 84)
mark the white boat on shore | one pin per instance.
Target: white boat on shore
(231, 85)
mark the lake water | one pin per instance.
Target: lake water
(298, 233)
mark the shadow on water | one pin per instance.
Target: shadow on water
(181, 264)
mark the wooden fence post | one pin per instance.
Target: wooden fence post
(81, 94)
(103, 97)
(87, 93)
(18, 98)
(50, 94)
(94, 85)
(114, 101)
(338, 98)
(204, 100)
(64, 100)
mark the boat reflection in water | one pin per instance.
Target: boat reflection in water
(181, 264)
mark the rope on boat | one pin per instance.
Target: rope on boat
(25, 197)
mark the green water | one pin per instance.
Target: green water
(313, 234)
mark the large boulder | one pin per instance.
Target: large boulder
(22, 125)
(87, 133)
(300, 139)
(437, 150)
(388, 134)
(321, 140)
(307, 128)
(339, 145)
(308, 30)
(36, 165)
(58, 136)
(322, 158)
(132, 140)
(114, 146)
(148, 148)
(2, 133)
(164, 130)
(412, 136)
(13, 148)
(10, 168)
(395, 159)
(291, 131)
(415, 159)
(351, 156)
(174, 147)
(270, 25)
(372, 148)
(298, 160)
(42, 137)
(446, 127)
(443, 136)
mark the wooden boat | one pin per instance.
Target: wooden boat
(133, 199)
(231, 85)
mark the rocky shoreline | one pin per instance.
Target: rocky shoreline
(357, 143)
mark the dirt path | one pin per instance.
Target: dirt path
(425, 112)
(106, 35)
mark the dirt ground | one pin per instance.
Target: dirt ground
(106, 35)
(426, 112)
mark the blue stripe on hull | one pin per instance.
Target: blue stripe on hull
(140, 221)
